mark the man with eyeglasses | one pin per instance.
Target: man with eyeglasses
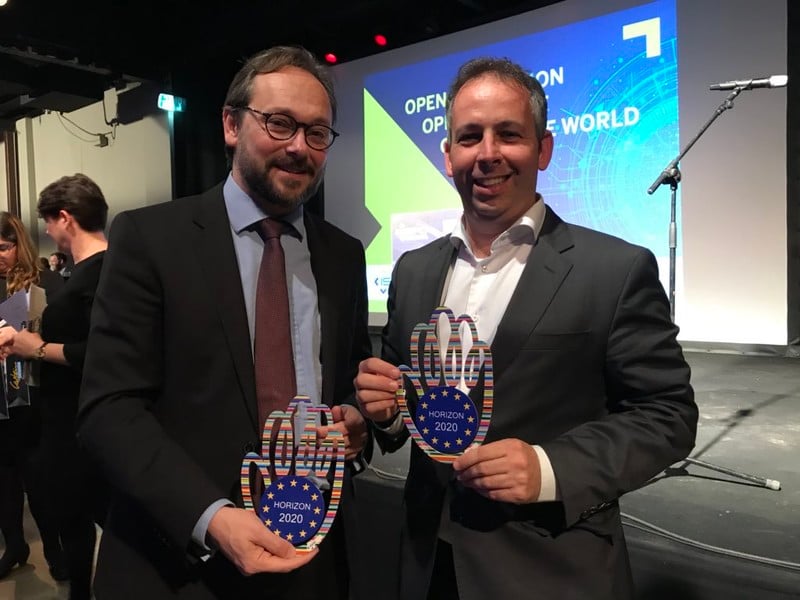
(169, 400)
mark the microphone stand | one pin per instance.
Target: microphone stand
(671, 175)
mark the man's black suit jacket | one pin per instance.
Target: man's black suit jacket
(586, 365)
(168, 403)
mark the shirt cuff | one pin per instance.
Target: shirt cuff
(547, 491)
(392, 427)
(201, 527)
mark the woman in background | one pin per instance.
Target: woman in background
(20, 433)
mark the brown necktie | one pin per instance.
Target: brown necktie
(274, 362)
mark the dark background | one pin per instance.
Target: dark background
(54, 55)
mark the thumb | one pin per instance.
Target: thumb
(274, 544)
(338, 413)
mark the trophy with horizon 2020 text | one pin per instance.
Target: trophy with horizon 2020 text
(299, 472)
(452, 376)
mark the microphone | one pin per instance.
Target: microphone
(774, 81)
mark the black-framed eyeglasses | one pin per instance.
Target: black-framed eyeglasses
(283, 127)
(7, 246)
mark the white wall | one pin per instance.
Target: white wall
(734, 180)
(134, 170)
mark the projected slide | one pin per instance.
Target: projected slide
(612, 87)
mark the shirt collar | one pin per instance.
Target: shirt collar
(243, 213)
(528, 224)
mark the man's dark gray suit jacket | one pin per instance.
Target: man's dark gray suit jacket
(586, 365)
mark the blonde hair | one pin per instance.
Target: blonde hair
(25, 271)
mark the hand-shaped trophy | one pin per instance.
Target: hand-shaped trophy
(448, 362)
(293, 463)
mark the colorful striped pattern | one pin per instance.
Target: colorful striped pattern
(458, 369)
(308, 459)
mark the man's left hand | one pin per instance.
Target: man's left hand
(506, 470)
(349, 421)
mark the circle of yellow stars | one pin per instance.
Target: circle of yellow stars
(459, 442)
(313, 525)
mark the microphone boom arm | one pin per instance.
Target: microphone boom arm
(670, 174)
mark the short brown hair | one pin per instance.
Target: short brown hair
(269, 61)
(79, 196)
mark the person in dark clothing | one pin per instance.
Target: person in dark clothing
(171, 389)
(51, 282)
(591, 392)
(20, 433)
(75, 211)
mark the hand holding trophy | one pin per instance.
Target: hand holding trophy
(451, 372)
(295, 467)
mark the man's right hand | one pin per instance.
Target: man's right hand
(376, 383)
(7, 337)
(247, 543)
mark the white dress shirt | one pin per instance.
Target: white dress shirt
(482, 289)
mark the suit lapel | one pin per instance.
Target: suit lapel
(325, 277)
(214, 246)
(543, 274)
(436, 269)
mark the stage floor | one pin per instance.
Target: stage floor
(694, 532)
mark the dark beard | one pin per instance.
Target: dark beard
(272, 201)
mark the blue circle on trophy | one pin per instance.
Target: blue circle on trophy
(447, 419)
(293, 508)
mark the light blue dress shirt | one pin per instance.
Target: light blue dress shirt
(243, 214)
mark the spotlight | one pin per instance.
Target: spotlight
(331, 58)
(380, 39)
